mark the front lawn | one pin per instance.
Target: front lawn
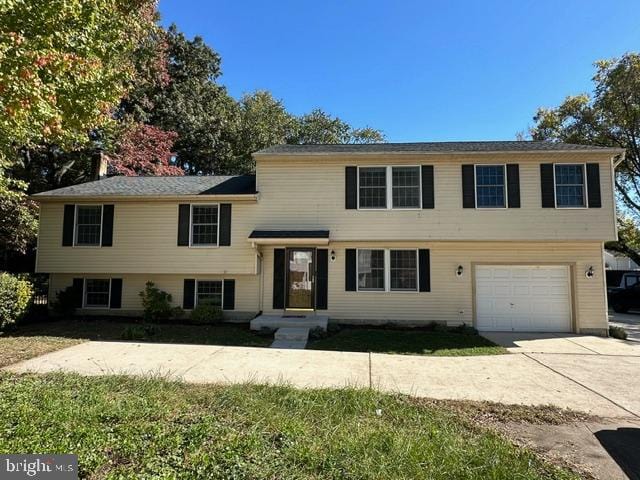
(149, 428)
(28, 341)
(411, 342)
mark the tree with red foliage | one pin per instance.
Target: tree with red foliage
(144, 150)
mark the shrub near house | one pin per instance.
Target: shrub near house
(15, 297)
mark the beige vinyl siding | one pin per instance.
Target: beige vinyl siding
(310, 193)
(246, 294)
(451, 297)
(145, 241)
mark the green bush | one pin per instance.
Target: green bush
(206, 314)
(617, 332)
(157, 304)
(15, 298)
(65, 302)
(138, 332)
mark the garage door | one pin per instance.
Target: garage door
(527, 298)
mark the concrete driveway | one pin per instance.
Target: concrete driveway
(629, 321)
(606, 385)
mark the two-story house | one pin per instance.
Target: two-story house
(499, 235)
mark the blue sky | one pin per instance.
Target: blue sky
(418, 70)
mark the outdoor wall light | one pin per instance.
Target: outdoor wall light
(333, 255)
(459, 270)
(589, 273)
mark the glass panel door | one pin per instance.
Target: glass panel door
(300, 278)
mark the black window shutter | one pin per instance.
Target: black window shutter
(188, 293)
(593, 185)
(67, 225)
(225, 224)
(427, 186)
(351, 188)
(513, 185)
(78, 292)
(424, 269)
(116, 293)
(546, 185)
(184, 212)
(229, 299)
(350, 270)
(468, 187)
(107, 225)
(322, 277)
(278, 277)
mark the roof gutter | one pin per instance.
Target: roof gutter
(142, 198)
(456, 152)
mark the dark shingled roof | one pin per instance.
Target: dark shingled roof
(431, 147)
(289, 234)
(152, 186)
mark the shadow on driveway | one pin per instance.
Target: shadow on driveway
(623, 445)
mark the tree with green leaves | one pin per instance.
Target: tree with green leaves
(64, 66)
(610, 116)
(18, 220)
(318, 127)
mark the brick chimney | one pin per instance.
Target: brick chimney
(98, 165)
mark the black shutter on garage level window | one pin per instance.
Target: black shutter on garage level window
(351, 188)
(322, 277)
(225, 224)
(78, 292)
(184, 212)
(546, 185)
(116, 293)
(427, 186)
(593, 185)
(350, 270)
(188, 293)
(424, 270)
(468, 187)
(229, 299)
(278, 277)
(67, 225)
(107, 225)
(513, 185)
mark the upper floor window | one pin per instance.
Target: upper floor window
(405, 187)
(96, 292)
(570, 186)
(88, 225)
(371, 274)
(388, 187)
(209, 292)
(204, 225)
(490, 186)
(372, 187)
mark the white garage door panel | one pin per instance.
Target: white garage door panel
(525, 298)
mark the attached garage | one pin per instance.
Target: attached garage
(523, 298)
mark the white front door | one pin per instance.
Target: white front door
(523, 298)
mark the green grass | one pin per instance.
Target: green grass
(149, 428)
(31, 340)
(411, 342)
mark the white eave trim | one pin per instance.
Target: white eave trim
(144, 198)
(288, 241)
(453, 152)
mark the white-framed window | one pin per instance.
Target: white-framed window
(570, 185)
(97, 292)
(403, 270)
(209, 292)
(387, 270)
(88, 225)
(389, 187)
(491, 182)
(405, 187)
(205, 223)
(372, 187)
(371, 270)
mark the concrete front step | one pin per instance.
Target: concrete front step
(299, 334)
(289, 344)
(290, 321)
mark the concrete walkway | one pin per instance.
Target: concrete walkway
(600, 384)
